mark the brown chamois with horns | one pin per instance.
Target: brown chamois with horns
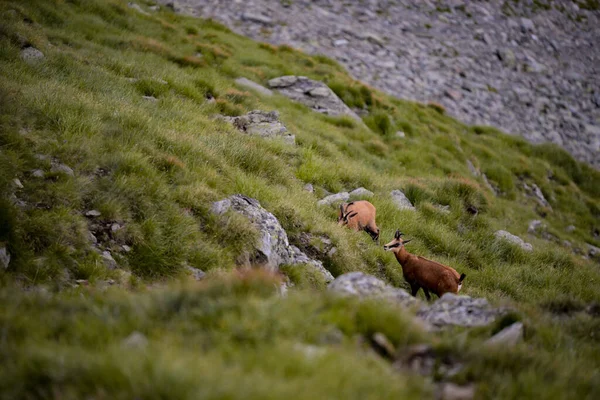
(420, 272)
(359, 216)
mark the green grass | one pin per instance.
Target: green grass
(154, 168)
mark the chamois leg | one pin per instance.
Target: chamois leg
(427, 295)
(414, 289)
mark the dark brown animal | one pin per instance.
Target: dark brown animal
(420, 272)
(359, 216)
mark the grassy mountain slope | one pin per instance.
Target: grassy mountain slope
(154, 167)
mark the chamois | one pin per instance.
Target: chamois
(420, 272)
(359, 216)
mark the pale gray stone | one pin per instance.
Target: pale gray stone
(4, 257)
(254, 86)
(334, 198)
(401, 201)
(31, 55)
(504, 235)
(507, 337)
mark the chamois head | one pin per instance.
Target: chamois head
(344, 216)
(397, 243)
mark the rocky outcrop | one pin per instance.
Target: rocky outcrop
(369, 287)
(334, 198)
(454, 310)
(273, 248)
(313, 94)
(479, 60)
(345, 196)
(449, 310)
(401, 201)
(509, 237)
(247, 83)
(263, 124)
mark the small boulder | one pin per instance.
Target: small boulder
(247, 83)
(17, 183)
(4, 257)
(62, 169)
(93, 213)
(196, 273)
(508, 336)
(38, 173)
(361, 192)
(309, 188)
(258, 18)
(150, 98)
(137, 8)
(31, 55)
(504, 235)
(262, 123)
(401, 201)
(109, 261)
(452, 309)
(366, 286)
(452, 391)
(136, 340)
(314, 94)
(334, 198)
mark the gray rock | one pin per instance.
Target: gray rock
(507, 337)
(334, 198)
(264, 124)
(259, 18)
(38, 173)
(4, 257)
(472, 168)
(273, 248)
(196, 273)
(507, 57)
(150, 98)
(504, 235)
(534, 191)
(136, 340)
(527, 24)
(340, 42)
(126, 248)
(254, 86)
(93, 213)
(361, 192)
(17, 183)
(314, 94)
(400, 134)
(452, 391)
(62, 168)
(366, 286)
(154, 8)
(454, 310)
(593, 251)
(535, 225)
(401, 201)
(283, 81)
(109, 261)
(137, 8)
(309, 188)
(31, 55)
(570, 228)
(220, 207)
